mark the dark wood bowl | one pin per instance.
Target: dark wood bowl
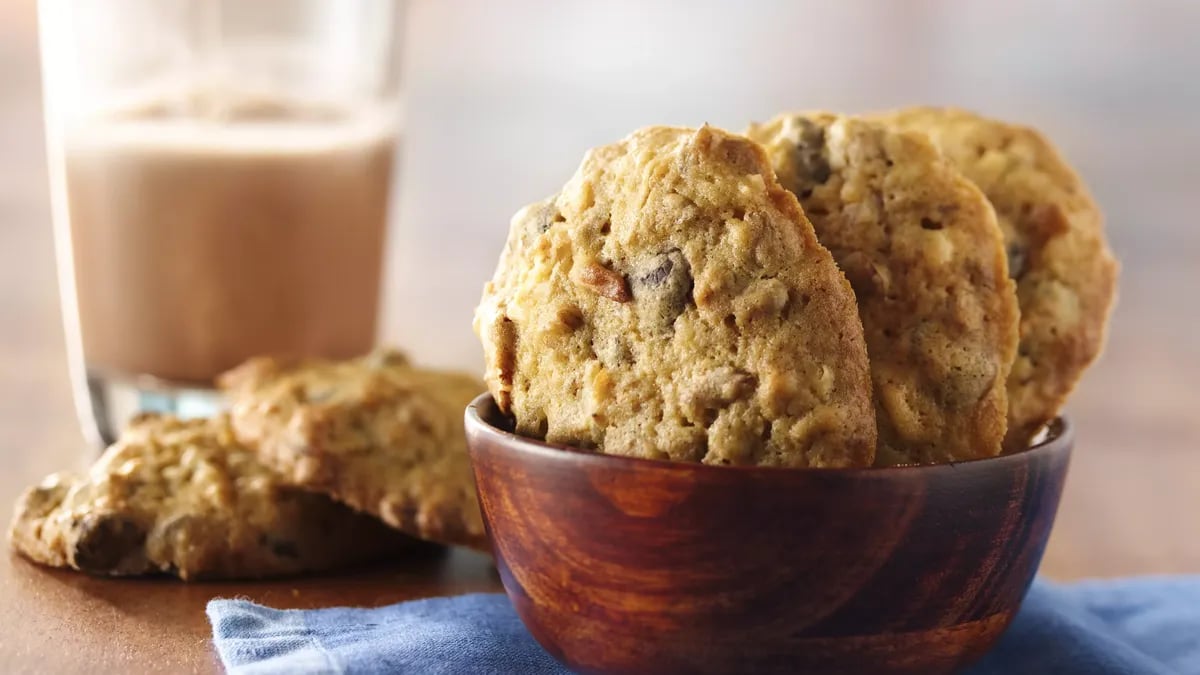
(622, 565)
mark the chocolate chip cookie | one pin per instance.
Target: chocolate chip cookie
(672, 302)
(922, 249)
(376, 432)
(185, 498)
(1065, 273)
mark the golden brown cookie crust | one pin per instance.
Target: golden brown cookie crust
(184, 498)
(672, 302)
(1066, 275)
(376, 433)
(922, 249)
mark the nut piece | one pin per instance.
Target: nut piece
(602, 281)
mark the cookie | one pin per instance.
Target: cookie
(185, 498)
(672, 302)
(1065, 273)
(922, 249)
(376, 433)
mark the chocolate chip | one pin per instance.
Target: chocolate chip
(811, 165)
(105, 541)
(930, 224)
(661, 271)
(662, 287)
(1016, 260)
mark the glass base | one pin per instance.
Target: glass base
(115, 400)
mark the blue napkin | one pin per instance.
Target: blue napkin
(1147, 625)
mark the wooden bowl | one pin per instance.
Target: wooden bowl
(622, 565)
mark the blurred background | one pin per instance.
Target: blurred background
(503, 98)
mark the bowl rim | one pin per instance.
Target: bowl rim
(1059, 437)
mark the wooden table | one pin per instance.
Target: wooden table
(1124, 110)
(60, 622)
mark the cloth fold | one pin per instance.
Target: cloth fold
(1120, 627)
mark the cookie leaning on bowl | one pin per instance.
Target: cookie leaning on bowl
(376, 432)
(921, 246)
(1065, 273)
(185, 498)
(672, 302)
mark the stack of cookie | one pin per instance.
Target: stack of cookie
(918, 286)
(311, 466)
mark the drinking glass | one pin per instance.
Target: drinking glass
(220, 177)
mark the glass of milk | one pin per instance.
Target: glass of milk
(221, 173)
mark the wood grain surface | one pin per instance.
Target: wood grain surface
(1113, 84)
